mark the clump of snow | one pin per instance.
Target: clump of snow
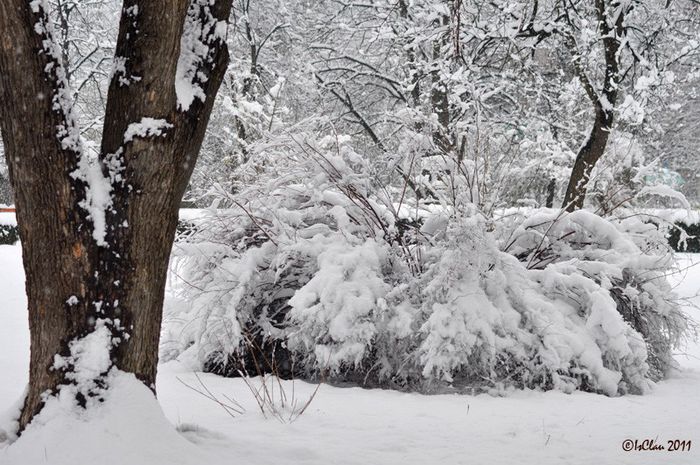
(661, 190)
(89, 358)
(147, 127)
(119, 71)
(67, 132)
(98, 194)
(672, 215)
(632, 111)
(132, 10)
(338, 308)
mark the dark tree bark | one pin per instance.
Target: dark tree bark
(551, 190)
(438, 93)
(594, 147)
(75, 282)
(586, 159)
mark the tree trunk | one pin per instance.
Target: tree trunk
(111, 273)
(56, 261)
(438, 94)
(412, 60)
(586, 159)
(612, 34)
(551, 190)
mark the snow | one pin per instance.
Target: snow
(689, 217)
(98, 195)
(632, 111)
(662, 190)
(89, 357)
(191, 214)
(192, 52)
(128, 416)
(98, 192)
(120, 72)
(14, 329)
(201, 32)
(341, 298)
(147, 127)
(672, 215)
(343, 425)
(8, 219)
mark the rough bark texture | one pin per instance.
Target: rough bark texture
(124, 280)
(586, 159)
(54, 255)
(594, 147)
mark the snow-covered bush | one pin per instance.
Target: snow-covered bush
(626, 257)
(322, 273)
(248, 261)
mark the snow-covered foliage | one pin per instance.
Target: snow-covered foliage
(325, 275)
(625, 257)
(502, 76)
(518, 108)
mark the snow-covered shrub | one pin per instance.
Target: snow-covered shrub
(8, 234)
(248, 261)
(321, 273)
(627, 256)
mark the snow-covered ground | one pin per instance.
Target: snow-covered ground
(358, 426)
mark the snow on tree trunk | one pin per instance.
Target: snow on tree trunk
(97, 229)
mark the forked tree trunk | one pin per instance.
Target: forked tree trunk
(77, 278)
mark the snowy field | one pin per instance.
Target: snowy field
(357, 426)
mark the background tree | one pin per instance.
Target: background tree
(622, 56)
(97, 227)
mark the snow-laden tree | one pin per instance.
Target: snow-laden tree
(86, 33)
(97, 225)
(520, 94)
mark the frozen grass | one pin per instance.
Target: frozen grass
(358, 426)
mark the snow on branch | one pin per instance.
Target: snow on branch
(62, 102)
(662, 190)
(97, 187)
(201, 33)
